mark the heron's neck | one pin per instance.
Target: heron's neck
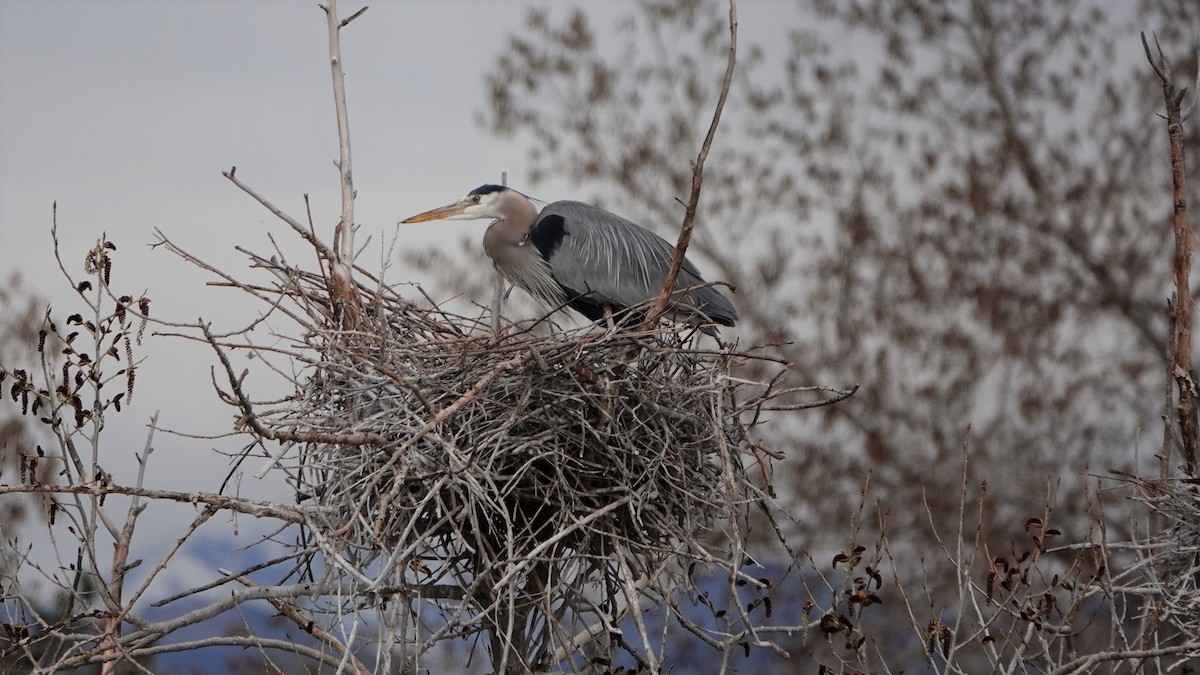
(511, 230)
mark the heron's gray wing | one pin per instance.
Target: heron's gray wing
(608, 259)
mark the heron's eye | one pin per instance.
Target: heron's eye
(475, 199)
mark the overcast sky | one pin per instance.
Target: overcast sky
(126, 112)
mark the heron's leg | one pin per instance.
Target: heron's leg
(497, 306)
(608, 316)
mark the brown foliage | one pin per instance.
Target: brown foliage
(959, 206)
(21, 458)
(963, 206)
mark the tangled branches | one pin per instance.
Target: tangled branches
(535, 486)
(1171, 560)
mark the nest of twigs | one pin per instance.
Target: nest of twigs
(498, 446)
(524, 446)
(1172, 569)
(524, 473)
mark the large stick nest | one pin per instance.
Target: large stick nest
(514, 469)
(496, 446)
(524, 445)
(1172, 569)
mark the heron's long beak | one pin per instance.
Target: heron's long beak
(439, 213)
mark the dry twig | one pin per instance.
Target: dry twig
(689, 214)
(346, 306)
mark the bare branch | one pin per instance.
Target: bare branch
(346, 300)
(251, 418)
(306, 624)
(352, 17)
(250, 507)
(1184, 374)
(689, 216)
(309, 236)
(1086, 664)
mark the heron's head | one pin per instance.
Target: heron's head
(494, 202)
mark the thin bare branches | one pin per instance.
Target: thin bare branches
(264, 509)
(340, 268)
(250, 418)
(306, 624)
(1086, 664)
(307, 233)
(689, 214)
(120, 564)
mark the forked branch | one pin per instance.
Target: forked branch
(340, 269)
(296, 615)
(689, 214)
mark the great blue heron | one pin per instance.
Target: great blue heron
(584, 257)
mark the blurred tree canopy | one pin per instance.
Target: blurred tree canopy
(962, 205)
(20, 315)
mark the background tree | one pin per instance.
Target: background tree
(20, 315)
(20, 453)
(961, 205)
